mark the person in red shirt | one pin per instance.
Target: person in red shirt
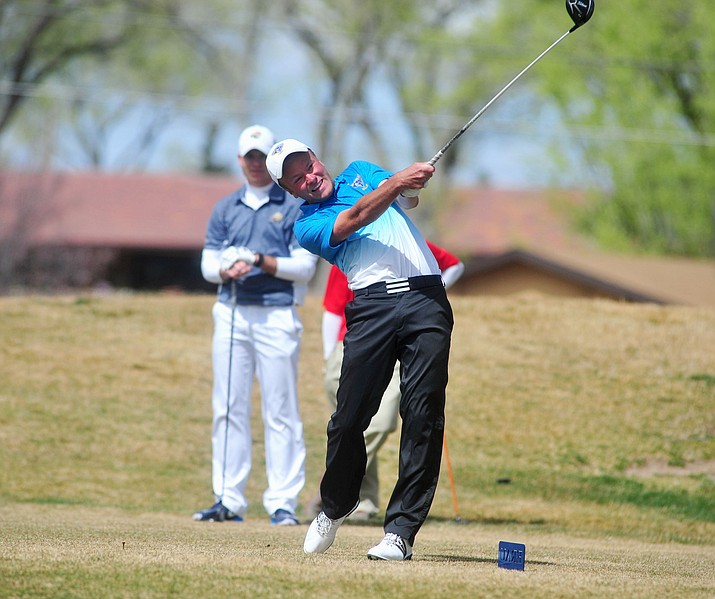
(337, 296)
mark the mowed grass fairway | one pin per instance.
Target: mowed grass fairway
(582, 428)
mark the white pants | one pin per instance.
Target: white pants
(266, 342)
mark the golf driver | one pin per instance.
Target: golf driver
(580, 12)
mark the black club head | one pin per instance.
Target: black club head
(580, 11)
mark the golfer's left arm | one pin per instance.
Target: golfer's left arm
(452, 274)
(299, 267)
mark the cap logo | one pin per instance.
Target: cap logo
(278, 149)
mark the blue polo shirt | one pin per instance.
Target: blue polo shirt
(268, 230)
(390, 247)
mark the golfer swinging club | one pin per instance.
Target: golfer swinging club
(400, 312)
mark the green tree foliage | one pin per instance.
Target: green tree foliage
(39, 40)
(636, 86)
(74, 73)
(438, 76)
(633, 88)
(368, 45)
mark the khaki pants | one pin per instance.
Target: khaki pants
(382, 424)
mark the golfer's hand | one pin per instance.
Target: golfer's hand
(236, 262)
(415, 178)
(238, 270)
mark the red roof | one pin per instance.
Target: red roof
(483, 222)
(118, 210)
(172, 211)
(491, 221)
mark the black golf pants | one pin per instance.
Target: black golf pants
(415, 328)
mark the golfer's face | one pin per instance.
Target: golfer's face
(305, 177)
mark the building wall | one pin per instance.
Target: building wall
(515, 278)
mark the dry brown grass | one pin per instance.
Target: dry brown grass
(104, 439)
(78, 552)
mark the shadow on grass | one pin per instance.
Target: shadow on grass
(489, 521)
(458, 521)
(474, 560)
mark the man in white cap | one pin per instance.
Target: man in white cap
(251, 252)
(399, 312)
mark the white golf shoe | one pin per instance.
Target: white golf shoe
(393, 547)
(321, 532)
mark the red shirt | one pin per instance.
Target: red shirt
(338, 294)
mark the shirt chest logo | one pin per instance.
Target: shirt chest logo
(358, 183)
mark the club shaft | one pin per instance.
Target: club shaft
(228, 389)
(451, 476)
(471, 121)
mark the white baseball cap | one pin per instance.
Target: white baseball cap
(255, 137)
(279, 152)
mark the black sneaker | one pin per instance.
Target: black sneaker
(218, 512)
(284, 518)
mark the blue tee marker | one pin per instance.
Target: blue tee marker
(512, 556)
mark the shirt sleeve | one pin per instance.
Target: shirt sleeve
(337, 293)
(443, 257)
(452, 274)
(452, 267)
(313, 232)
(299, 267)
(216, 229)
(210, 265)
(331, 327)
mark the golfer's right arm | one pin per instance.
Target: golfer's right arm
(372, 205)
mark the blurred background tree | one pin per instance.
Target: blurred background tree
(624, 107)
(637, 90)
(99, 81)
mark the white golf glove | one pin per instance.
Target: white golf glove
(233, 254)
(413, 193)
